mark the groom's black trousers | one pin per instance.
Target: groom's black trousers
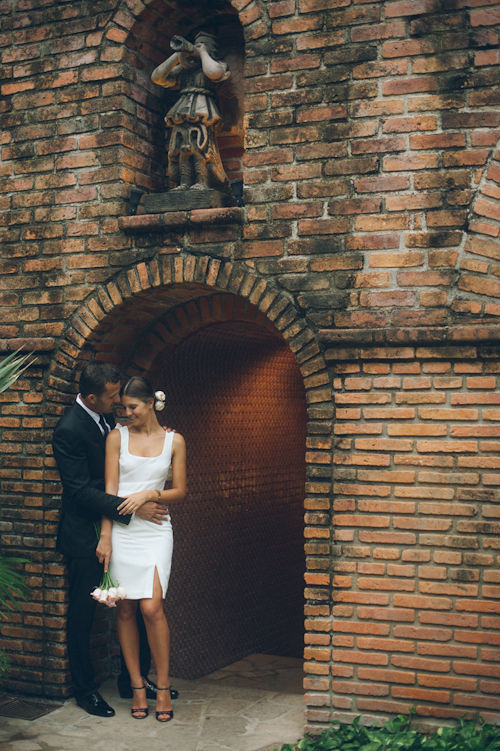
(84, 575)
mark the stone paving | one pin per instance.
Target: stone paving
(253, 705)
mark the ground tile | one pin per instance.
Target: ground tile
(209, 716)
(225, 706)
(267, 710)
(188, 713)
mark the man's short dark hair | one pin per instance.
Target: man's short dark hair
(95, 376)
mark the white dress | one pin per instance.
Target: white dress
(141, 546)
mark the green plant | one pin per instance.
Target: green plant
(12, 587)
(396, 735)
(11, 368)
(12, 584)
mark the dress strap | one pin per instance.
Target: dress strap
(124, 435)
(167, 444)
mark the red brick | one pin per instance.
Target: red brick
(408, 47)
(368, 242)
(355, 206)
(413, 162)
(376, 109)
(410, 124)
(363, 689)
(379, 69)
(322, 226)
(408, 86)
(379, 31)
(442, 62)
(420, 663)
(421, 694)
(412, 203)
(484, 17)
(320, 41)
(357, 658)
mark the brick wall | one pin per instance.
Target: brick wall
(369, 240)
(414, 619)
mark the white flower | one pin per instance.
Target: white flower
(121, 593)
(96, 593)
(104, 596)
(160, 400)
(112, 593)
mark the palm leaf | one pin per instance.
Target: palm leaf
(12, 584)
(11, 368)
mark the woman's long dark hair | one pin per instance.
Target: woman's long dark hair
(139, 388)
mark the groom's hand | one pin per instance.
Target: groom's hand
(153, 512)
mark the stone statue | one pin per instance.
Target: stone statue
(194, 160)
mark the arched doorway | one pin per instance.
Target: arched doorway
(235, 392)
(156, 319)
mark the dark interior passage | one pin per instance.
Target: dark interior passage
(235, 392)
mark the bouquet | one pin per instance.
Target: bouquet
(108, 592)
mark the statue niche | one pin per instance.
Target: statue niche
(196, 174)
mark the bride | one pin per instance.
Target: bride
(138, 458)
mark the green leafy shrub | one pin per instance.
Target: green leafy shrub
(12, 585)
(396, 735)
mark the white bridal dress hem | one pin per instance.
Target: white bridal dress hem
(141, 546)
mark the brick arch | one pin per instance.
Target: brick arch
(188, 317)
(137, 302)
(162, 303)
(151, 11)
(479, 263)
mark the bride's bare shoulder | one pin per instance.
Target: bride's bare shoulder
(113, 438)
(178, 441)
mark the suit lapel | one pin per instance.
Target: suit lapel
(89, 425)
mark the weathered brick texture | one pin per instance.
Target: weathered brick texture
(369, 240)
(414, 538)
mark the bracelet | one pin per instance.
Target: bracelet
(159, 496)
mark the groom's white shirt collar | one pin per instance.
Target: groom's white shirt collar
(94, 415)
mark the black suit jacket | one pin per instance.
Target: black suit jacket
(79, 450)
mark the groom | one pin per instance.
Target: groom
(79, 450)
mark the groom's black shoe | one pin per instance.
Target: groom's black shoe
(126, 691)
(151, 690)
(94, 704)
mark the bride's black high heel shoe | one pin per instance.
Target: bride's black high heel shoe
(144, 712)
(168, 712)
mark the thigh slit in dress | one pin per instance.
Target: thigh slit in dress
(141, 547)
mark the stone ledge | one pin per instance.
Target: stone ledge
(170, 219)
(477, 334)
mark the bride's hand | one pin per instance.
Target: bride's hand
(103, 552)
(134, 501)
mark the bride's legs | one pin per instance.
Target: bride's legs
(128, 634)
(159, 642)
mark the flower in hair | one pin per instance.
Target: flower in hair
(160, 400)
